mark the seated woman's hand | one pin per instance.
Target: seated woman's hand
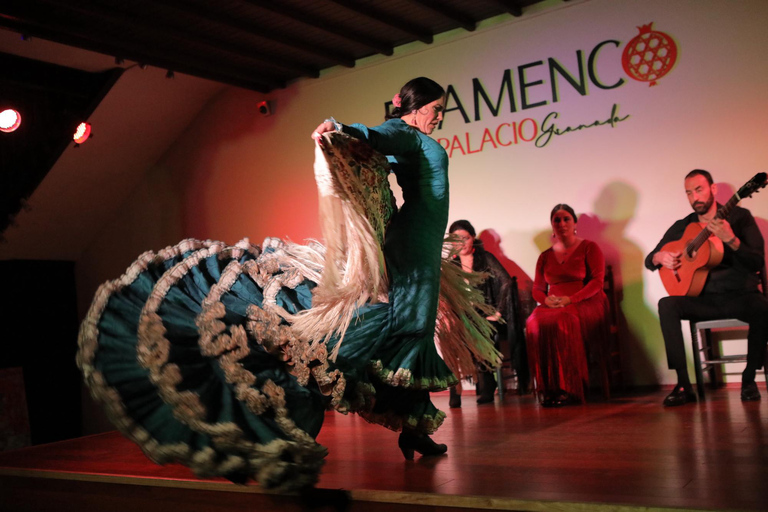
(553, 301)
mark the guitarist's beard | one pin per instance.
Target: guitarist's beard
(703, 208)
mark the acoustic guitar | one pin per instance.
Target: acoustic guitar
(701, 251)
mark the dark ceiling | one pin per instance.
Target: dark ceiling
(259, 45)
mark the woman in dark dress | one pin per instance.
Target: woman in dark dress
(496, 289)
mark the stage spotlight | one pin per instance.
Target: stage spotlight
(9, 120)
(82, 133)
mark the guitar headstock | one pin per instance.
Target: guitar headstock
(757, 182)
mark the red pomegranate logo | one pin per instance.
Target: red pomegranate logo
(649, 56)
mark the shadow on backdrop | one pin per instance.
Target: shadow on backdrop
(492, 243)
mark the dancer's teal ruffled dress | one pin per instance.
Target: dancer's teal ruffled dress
(217, 356)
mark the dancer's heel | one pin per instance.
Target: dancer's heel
(407, 451)
(237, 477)
(409, 442)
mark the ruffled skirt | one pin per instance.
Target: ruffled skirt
(192, 354)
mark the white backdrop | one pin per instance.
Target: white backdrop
(251, 176)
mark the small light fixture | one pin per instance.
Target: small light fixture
(10, 120)
(264, 108)
(82, 133)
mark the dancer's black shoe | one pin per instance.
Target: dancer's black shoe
(422, 443)
(238, 478)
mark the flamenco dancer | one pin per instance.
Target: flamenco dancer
(224, 358)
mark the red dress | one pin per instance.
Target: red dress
(562, 340)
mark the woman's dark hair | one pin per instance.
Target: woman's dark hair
(415, 94)
(463, 225)
(565, 207)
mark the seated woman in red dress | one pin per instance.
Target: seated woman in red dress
(569, 327)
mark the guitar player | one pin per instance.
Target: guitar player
(730, 290)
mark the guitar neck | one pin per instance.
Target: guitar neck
(722, 213)
(725, 211)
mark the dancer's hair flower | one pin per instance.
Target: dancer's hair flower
(397, 101)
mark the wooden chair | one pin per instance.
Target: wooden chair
(605, 366)
(707, 355)
(615, 367)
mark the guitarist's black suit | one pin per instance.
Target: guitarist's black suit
(730, 291)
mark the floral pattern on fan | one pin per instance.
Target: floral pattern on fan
(363, 179)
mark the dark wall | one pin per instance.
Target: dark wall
(38, 329)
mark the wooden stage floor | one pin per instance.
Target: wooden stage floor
(626, 454)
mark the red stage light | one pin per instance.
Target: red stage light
(9, 120)
(82, 133)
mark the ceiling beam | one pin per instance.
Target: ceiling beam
(324, 25)
(379, 16)
(206, 14)
(95, 19)
(212, 72)
(447, 11)
(513, 7)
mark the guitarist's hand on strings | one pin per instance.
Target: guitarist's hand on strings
(668, 259)
(721, 228)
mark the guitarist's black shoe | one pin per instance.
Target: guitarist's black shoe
(679, 396)
(749, 392)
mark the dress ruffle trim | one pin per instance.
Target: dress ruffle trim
(403, 377)
(364, 400)
(423, 424)
(284, 464)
